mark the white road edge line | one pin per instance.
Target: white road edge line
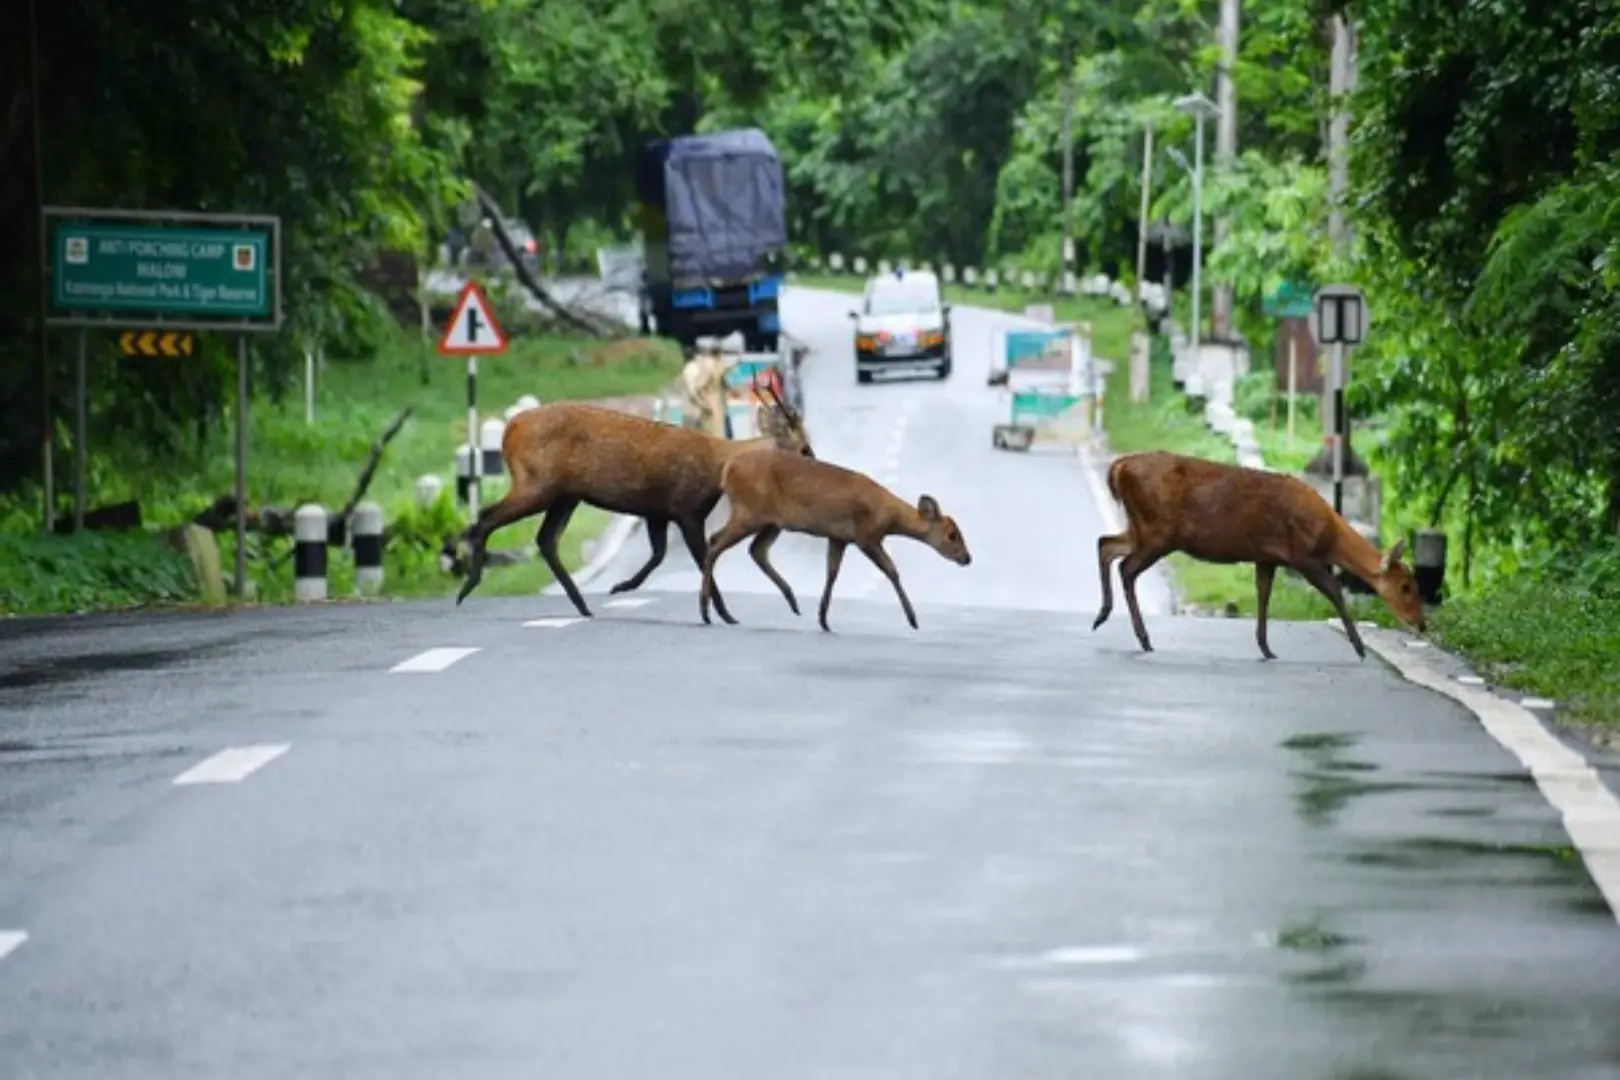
(232, 765)
(554, 622)
(1591, 812)
(10, 941)
(432, 660)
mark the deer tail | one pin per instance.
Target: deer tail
(1113, 478)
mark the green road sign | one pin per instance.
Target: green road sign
(164, 269)
(1291, 300)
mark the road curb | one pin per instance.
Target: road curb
(1566, 779)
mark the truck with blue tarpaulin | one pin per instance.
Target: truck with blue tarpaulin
(714, 237)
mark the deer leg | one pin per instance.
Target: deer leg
(1321, 576)
(760, 549)
(1134, 566)
(551, 530)
(881, 560)
(658, 539)
(692, 534)
(727, 536)
(1109, 548)
(514, 506)
(1264, 574)
(835, 559)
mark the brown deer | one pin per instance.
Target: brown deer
(1229, 514)
(567, 453)
(771, 491)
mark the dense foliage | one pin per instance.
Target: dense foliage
(1484, 169)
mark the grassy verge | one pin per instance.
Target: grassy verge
(291, 462)
(1545, 635)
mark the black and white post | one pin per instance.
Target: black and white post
(309, 553)
(1339, 319)
(367, 542)
(489, 438)
(472, 432)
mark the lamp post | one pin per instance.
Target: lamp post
(1202, 109)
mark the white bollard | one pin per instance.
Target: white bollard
(367, 544)
(835, 262)
(511, 411)
(309, 553)
(428, 489)
(528, 401)
(489, 440)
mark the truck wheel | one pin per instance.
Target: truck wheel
(863, 377)
(944, 369)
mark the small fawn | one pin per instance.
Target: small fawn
(1221, 513)
(771, 491)
(565, 453)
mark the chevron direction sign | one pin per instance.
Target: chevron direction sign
(153, 343)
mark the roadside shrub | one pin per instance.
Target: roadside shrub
(91, 571)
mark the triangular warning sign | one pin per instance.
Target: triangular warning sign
(472, 329)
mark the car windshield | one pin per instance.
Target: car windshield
(902, 298)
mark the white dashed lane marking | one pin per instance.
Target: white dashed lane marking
(554, 623)
(10, 941)
(232, 765)
(431, 660)
(628, 602)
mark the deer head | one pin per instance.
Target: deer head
(940, 532)
(1397, 586)
(781, 423)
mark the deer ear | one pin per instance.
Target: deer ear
(928, 508)
(1393, 555)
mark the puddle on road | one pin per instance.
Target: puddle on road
(1330, 781)
(56, 671)
(1438, 852)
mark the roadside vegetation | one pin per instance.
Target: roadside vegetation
(1482, 177)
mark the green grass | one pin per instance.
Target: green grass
(291, 462)
(1549, 637)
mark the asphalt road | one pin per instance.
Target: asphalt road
(1001, 846)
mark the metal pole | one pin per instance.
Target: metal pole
(1293, 382)
(1141, 231)
(473, 463)
(41, 344)
(1068, 174)
(1225, 145)
(241, 464)
(1338, 425)
(80, 424)
(1198, 228)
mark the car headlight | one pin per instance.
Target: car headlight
(931, 337)
(865, 341)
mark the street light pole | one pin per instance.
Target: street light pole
(1141, 230)
(1068, 173)
(1201, 108)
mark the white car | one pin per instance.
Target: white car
(901, 326)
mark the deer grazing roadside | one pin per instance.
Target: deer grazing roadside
(1228, 514)
(563, 454)
(771, 491)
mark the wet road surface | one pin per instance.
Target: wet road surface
(498, 841)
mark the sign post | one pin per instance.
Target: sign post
(164, 271)
(1339, 318)
(1291, 300)
(472, 332)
